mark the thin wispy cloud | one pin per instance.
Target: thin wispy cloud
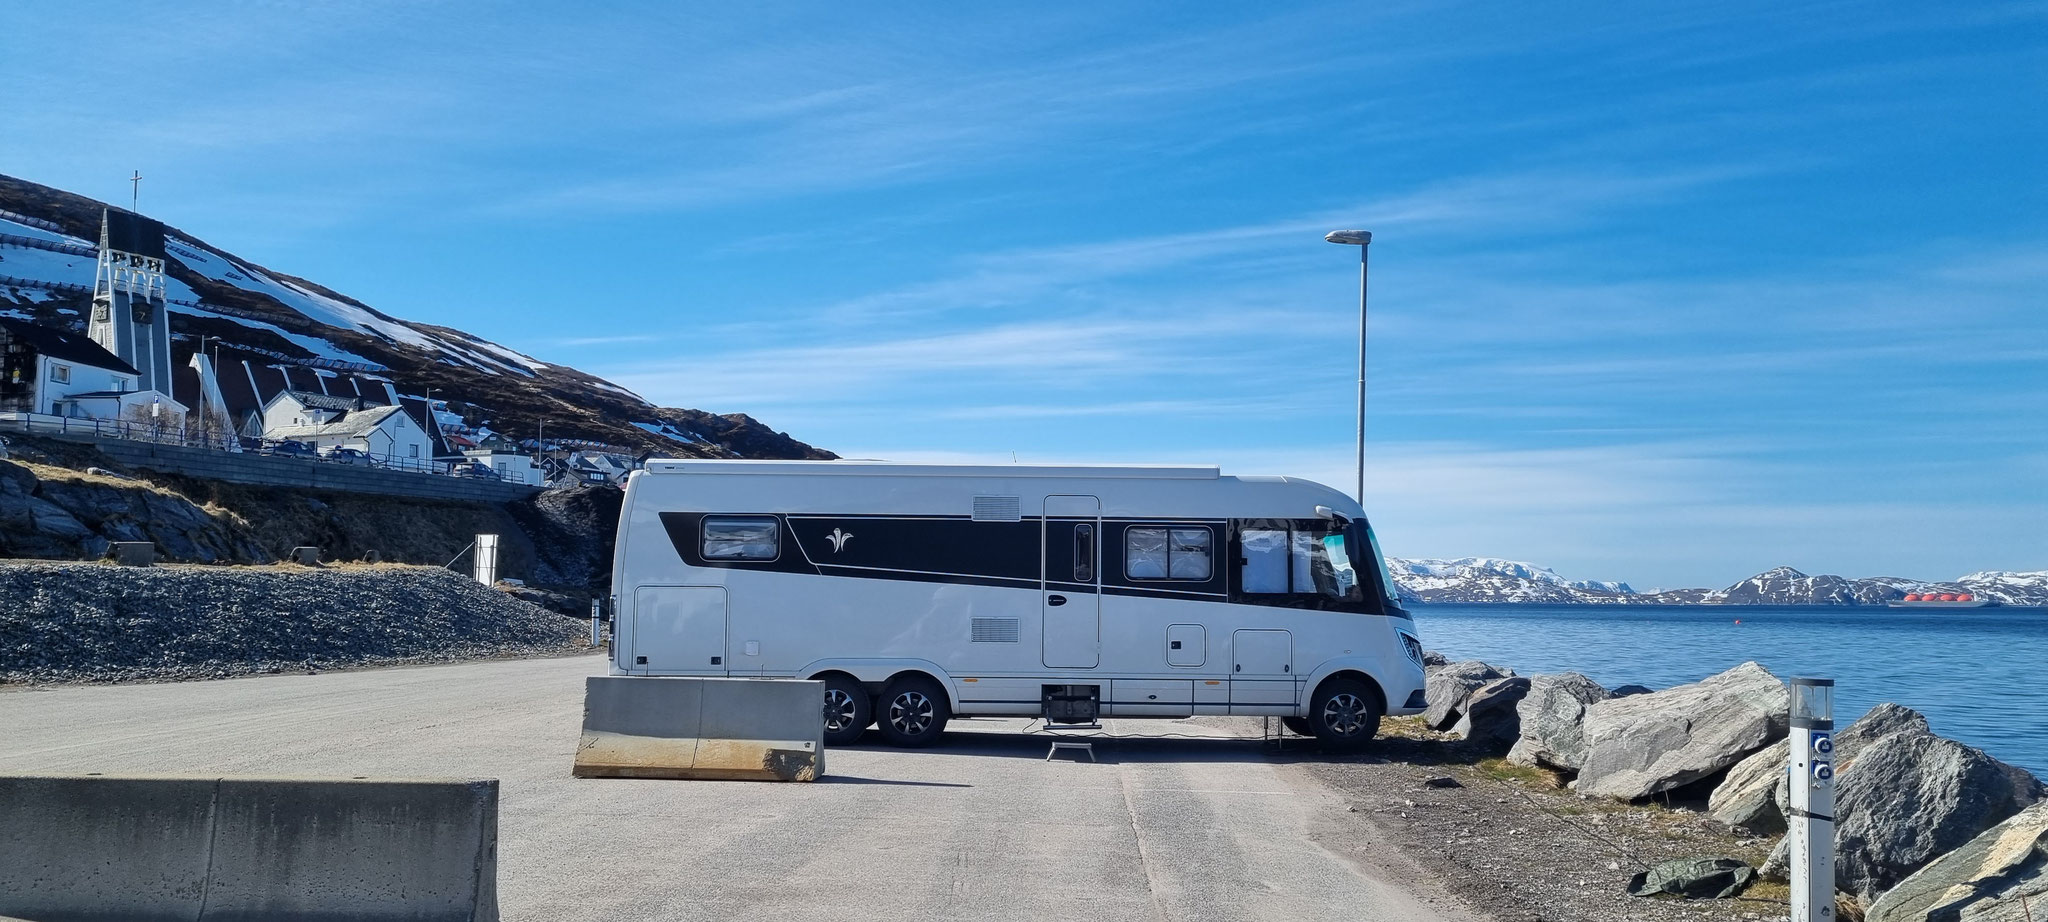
(1667, 295)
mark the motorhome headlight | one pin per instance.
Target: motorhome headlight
(1413, 646)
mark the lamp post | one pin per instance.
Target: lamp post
(1363, 241)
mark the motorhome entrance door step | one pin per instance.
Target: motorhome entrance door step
(1076, 745)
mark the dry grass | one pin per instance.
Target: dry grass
(1500, 769)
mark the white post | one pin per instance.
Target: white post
(596, 622)
(1813, 800)
(487, 559)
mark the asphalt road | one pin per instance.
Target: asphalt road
(979, 828)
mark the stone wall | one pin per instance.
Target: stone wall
(270, 470)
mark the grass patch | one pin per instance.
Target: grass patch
(1500, 769)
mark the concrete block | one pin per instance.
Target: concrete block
(309, 556)
(132, 553)
(726, 729)
(87, 848)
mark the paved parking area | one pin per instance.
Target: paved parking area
(1177, 821)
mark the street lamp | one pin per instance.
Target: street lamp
(1363, 241)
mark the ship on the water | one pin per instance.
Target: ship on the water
(1940, 600)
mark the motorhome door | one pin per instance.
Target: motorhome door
(1072, 581)
(678, 630)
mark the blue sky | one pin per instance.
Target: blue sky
(1669, 296)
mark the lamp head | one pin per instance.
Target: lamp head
(1357, 238)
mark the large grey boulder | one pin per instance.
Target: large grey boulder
(1757, 791)
(1448, 686)
(1999, 876)
(1489, 716)
(1647, 744)
(1909, 798)
(1552, 731)
(1747, 798)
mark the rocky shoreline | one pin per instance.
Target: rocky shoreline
(98, 622)
(1550, 797)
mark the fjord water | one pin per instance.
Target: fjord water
(1978, 674)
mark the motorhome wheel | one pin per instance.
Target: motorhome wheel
(913, 712)
(1345, 715)
(848, 710)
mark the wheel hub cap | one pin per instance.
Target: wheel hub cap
(910, 712)
(1344, 714)
(839, 709)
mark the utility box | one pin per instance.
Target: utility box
(1072, 704)
(132, 553)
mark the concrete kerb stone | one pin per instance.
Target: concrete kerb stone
(708, 729)
(83, 847)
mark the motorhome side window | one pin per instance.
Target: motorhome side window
(742, 537)
(1298, 560)
(1158, 552)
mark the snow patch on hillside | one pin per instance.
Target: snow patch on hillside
(667, 431)
(313, 306)
(19, 229)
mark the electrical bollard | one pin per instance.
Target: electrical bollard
(596, 622)
(1813, 800)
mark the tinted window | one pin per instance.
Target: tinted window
(1158, 552)
(741, 537)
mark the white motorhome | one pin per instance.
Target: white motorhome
(920, 592)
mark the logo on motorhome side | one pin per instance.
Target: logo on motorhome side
(839, 537)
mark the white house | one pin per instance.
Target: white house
(52, 372)
(385, 433)
(510, 464)
(600, 467)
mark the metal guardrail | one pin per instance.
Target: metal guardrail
(16, 281)
(63, 426)
(40, 424)
(20, 218)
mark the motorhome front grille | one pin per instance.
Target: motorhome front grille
(997, 509)
(995, 630)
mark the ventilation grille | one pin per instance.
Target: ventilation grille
(997, 509)
(995, 630)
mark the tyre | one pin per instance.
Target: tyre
(1299, 726)
(912, 712)
(848, 710)
(1345, 715)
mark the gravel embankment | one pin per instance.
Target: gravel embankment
(96, 622)
(1511, 842)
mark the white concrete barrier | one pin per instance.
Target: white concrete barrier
(726, 729)
(82, 848)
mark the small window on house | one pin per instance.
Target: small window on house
(60, 374)
(413, 450)
(741, 537)
(1167, 553)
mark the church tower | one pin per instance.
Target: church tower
(129, 315)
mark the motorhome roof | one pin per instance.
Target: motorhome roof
(892, 469)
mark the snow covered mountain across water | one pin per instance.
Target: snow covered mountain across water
(1487, 579)
(1478, 580)
(48, 256)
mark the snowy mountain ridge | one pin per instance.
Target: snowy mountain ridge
(1479, 580)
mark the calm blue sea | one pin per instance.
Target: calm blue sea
(1980, 675)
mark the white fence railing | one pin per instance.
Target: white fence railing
(44, 424)
(131, 430)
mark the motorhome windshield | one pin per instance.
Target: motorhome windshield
(1379, 557)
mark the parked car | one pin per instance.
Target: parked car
(473, 469)
(288, 448)
(341, 455)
